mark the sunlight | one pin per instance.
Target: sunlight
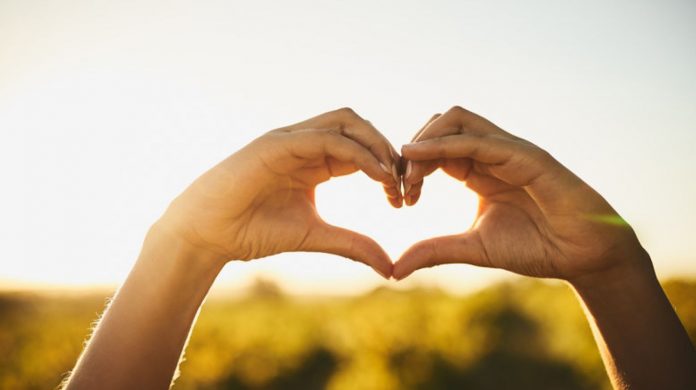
(104, 127)
(608, 219)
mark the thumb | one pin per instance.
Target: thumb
(347, 243)
(458, 248)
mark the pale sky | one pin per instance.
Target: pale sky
(109, 109)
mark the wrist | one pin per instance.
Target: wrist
(172, 262)
(632, 275)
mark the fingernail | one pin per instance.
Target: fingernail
(409, 200)
(385, 169)
(407, 188)
(409, 168)
(395, 174)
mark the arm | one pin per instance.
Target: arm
(642, 342)
(139, 339)
(256, 203)
(537, 218)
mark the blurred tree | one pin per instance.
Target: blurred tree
(521, 335)
(682, 295)
(514, 357)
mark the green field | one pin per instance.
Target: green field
(522, 335)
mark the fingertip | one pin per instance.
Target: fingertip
(398, 271)
(409, 200)
(407, 188)
(414, 150)
(415, 172)
(374, 256)
(406, 148)
(385, 275)
(391, 271)
(396, 202)
(419, 255)
(413, 198)
(383, 266)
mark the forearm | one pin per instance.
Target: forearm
(139, 340)
(642, 342)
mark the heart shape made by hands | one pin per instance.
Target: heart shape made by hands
(446, 207)
(534, 216)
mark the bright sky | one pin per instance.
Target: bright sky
(109, 109)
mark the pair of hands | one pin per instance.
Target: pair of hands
(535, 217)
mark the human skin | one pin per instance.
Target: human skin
(256, 203)
(536, 218)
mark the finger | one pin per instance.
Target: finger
(363, 132)
(461, 248)
(352, 245)
(319, 144)
(488, 150)
(415, 172)
(459, 120)
(350, 124)
(460, 168)
(456, 120)
(432, 118)
(396, 173)
(391, 192)
(413, 194)
(413, 180)
(394, 196)
(485, 184)
(339, 168)
(446, 124)
(514, 161)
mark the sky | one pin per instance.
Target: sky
(108, 110)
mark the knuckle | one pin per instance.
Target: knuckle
(268, 139)
(329, 134)
(346, 112)
(457, 110)
(324, 138)
(540, 155)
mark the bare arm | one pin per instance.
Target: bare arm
(537, 218)
(642, 342)
(138, 341)
(256, 203)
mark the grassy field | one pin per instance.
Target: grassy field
(522, 335)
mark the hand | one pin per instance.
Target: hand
(535, 217)
(260, 200)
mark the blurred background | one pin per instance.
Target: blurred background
(108, 110)
(517, 334)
